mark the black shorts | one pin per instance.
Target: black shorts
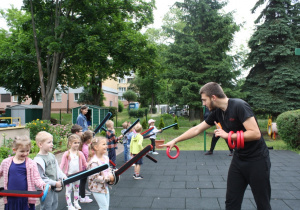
(139, 162)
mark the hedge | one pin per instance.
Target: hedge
(288, 125)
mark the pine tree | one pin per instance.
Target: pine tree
(176, 127)
(273, 81)
(161, 123)
(198, 54)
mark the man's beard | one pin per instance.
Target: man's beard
(212, 106)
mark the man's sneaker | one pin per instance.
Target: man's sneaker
(86, 199)
(88, 192)
(155, 153)
(138, 177)
(209, 153)
(76, 205)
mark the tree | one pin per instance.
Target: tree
(61, 29)
(129, 96)
(17, 60)
(199, 52)
(273, 81)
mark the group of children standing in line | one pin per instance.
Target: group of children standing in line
(85, 152)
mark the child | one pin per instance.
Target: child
(77, 129)
(136, 145)
(84, 147)
(72, 162)
(20, 173)
(48, 169)
(125, 125)
(153, 133)
(129, 136)
(98, 182)
(111, 141)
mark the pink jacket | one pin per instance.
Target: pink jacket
(66, 159)
(33, 176)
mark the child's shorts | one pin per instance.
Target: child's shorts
(139, 162)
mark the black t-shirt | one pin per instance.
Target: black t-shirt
(237, 112)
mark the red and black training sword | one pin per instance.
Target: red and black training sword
(129, 163)
(109, 114)
(27, 194)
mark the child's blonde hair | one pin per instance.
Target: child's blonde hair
(71, 138)
(87, 135)
(125, 124)
(95, 141)
(42, 136)
(138, 128)
(21, 141)
(109, 124)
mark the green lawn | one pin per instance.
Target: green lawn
(196, 143)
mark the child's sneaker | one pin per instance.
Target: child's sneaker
(134, 176)
(86, 199)
(155, 153)
(138, 177)
(76, 205)
(71, 208)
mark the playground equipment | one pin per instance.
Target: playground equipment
(5, 125)
(272, 129)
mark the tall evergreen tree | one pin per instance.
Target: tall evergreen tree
(198, 54)
(273, 82)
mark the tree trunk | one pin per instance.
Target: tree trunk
(196, 113)
(47, 108)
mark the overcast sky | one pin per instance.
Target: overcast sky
(241, 8)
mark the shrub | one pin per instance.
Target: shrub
(166, 116)
(59, 132)
(120, 106)
(161, 123)
(176, 127)
(36, 126)
(144, 124)
(136, 113)
(113, 111)
(154, 110)
(288, 125)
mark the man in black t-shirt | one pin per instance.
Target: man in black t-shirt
(250, 165)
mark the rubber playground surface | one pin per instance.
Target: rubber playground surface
(196, 181)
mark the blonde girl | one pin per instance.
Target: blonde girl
(20, 173)
(84, 147)
(98, 183)
(72, 162)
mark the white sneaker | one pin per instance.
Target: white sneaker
(71, 208)
(76, 205)
(133, 164)
(86, 199)
(155, 153)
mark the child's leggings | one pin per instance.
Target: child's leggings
(69, 187)
(102, 200)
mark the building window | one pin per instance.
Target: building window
(76, 96)
(129, 79)
(122, 89)
(58, 97)
(5, 97)
(15, 98)
(110, 103)
(121, 98)
(121, 80)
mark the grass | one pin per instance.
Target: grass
(196, 143)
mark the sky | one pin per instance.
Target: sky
(241, 8)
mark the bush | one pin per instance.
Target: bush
(136, 113)
(144, 124)
(166, 116)
(120, 106)
(288, 125)
(113, 111)
(176, 127)
(154, 110)
(161, 123)
(36, 126)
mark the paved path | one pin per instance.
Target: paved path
(197, 181)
